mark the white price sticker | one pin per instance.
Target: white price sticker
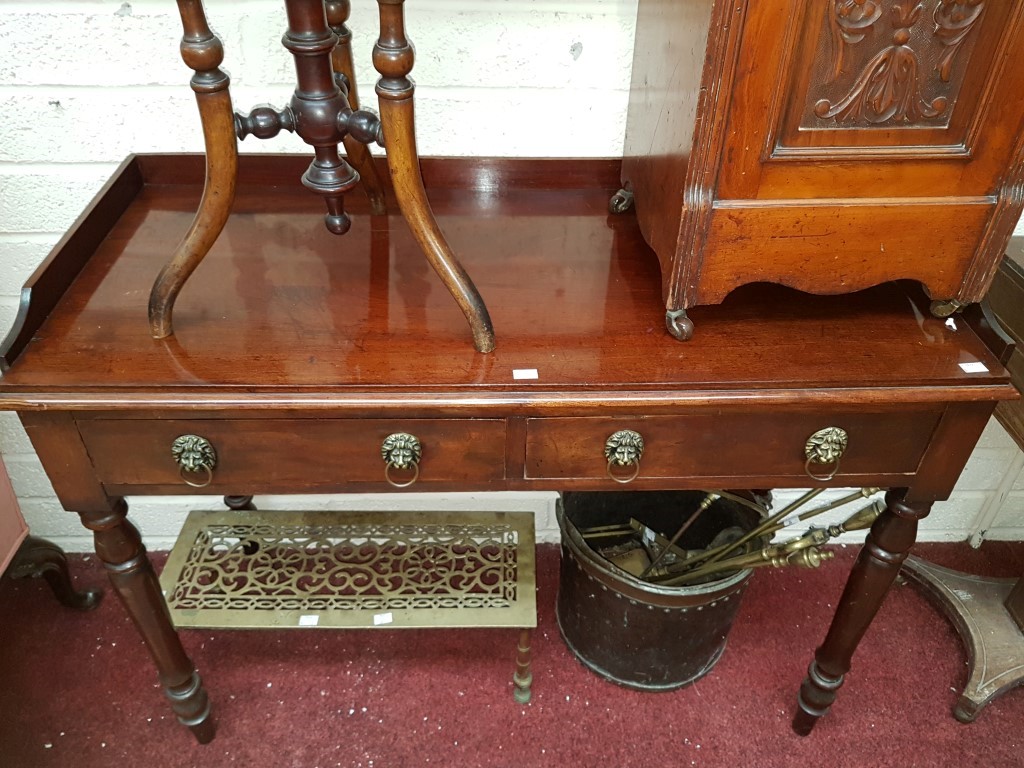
(521, 374)
(973, 368)
(309, 620)
(383, 618)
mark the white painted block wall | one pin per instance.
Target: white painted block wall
(83, 83)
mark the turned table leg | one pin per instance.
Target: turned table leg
(131, 574)
(884, 551)
(39, 557)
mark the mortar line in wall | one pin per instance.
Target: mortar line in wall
(241, 84)
(40, 236)
(989, 512)
(21, 457)
(105, 90)
(600, 7)
(26, 168)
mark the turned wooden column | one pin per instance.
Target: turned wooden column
(886, 547)
(316, 106)
(341, 59)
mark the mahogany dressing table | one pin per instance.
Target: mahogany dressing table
(296, 354)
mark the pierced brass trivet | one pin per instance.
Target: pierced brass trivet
(243, 569)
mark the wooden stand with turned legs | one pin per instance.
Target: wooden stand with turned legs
(324, 111)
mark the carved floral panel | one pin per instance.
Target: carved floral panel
(891, 63)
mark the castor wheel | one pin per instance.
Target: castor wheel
(621, 201)
(678, 324)
(945, 308)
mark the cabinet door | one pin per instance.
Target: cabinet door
(876, 99)
(869, 140)
(12, 526)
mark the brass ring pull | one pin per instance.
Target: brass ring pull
(824, 447)
(625, 478)
(821, 478)
(192, 454)
(415, 475)
(401, 451)
(204, 468)
(624, 448)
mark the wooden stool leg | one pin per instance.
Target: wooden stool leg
(358, 153)
(523, 677)
(120, 549)
(393, 59)
(202, 51)
(39, 557)
(891, 537)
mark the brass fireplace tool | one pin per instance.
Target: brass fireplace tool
(324, 111)
(650, 556)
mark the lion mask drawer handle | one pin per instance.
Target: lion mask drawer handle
(624, 448)
(194, 454)
(401, 451)
(825, 447)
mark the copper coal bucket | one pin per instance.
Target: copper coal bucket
(633, 632)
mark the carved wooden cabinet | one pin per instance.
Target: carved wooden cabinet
(828, 145)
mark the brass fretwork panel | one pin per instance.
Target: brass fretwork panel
(343, 569)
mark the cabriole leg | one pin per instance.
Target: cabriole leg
(202, 52)
(886, 547)
(39, 557)
(393, 59)
(131, 574)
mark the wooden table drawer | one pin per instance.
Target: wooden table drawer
(261, 455)
(725, 445)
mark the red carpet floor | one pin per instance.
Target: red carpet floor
(78, 690)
